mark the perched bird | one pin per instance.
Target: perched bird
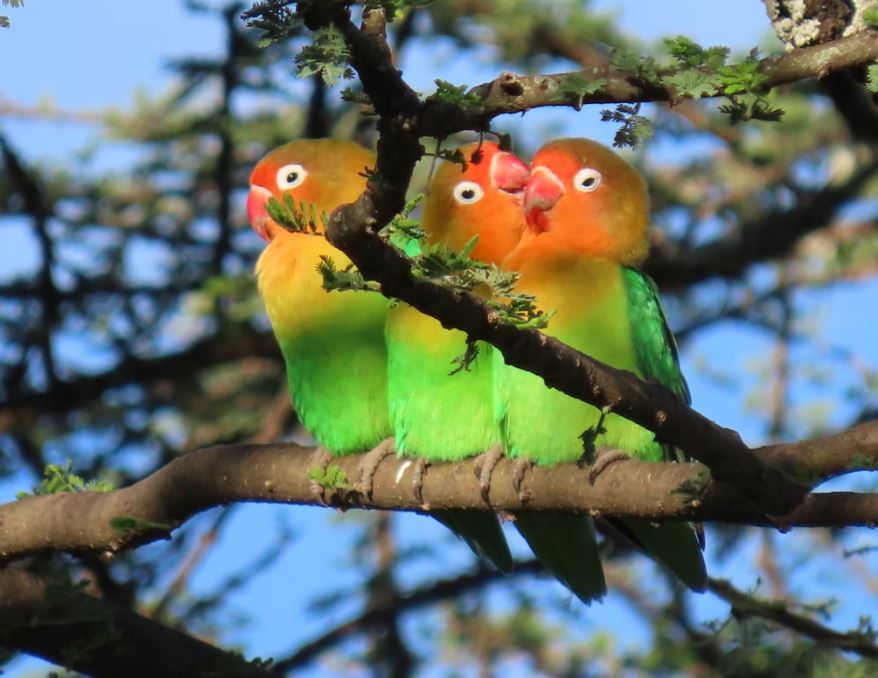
(436, 415)
(332, 342)
(587, 222)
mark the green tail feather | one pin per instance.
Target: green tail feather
(674, 545)
(565, 543)
(481, 531)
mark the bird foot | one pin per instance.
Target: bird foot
(322, 459)
(519, 471)
(418, 474)
(484, 468)
(603, 459)
(370, 464)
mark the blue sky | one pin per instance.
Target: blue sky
(89, 56)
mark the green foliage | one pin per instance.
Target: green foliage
(296, 217)
(131, 524)
(634, 128)
(331, 478)
(701, 72)
(872, 77)
(457, 270)
(692, 83)
(403, 227)
(519, 309)
(328, 56)
(743, 85)
(870, 17)
(352, 95)
(576, 87)
(440, 263)
(689, 54)
(61, 479)
(454, 94)
(632, 63)
(393, 8)
(347, 279)
(275, 19)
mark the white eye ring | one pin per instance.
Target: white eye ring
(587, 180)
(468, 192)
(290, 176)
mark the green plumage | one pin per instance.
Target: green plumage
(437, 415)
(440, 416)
(618, 319)
(336, 371)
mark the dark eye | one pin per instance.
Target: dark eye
(587, 180)
(468, 192)
(290, 176)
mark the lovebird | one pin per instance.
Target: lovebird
(332, 342)
(587, 222)
(438, 416)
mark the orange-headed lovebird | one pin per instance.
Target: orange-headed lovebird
(437, 415)
(587, 220)
(332, 342)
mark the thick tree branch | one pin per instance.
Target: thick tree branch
(94, 636)
(153, 507)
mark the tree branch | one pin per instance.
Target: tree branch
(93, 636)
(511, 93)
(153, 507)
(860, 642)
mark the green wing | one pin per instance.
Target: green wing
(654, 344)
(675, 545)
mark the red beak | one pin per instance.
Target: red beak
(256, 214)
(508, 172)
(543, 191)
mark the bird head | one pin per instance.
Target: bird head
(584, 198)
(324, 172)
(481, 197)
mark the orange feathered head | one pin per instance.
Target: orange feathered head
(582, 197)
(324, 172)
(482, 197)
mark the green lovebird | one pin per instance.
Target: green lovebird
(332, 342)
(436, 415)
(586, 235)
